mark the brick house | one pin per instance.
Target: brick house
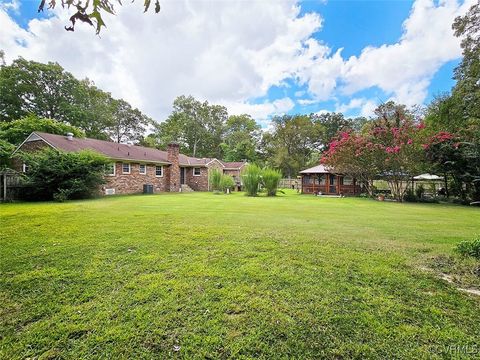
(133, 166)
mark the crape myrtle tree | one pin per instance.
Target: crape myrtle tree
(390, 148)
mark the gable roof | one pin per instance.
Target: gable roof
(319, 169)
(233, 165)
(111, 150)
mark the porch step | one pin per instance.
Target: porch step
(186, 188)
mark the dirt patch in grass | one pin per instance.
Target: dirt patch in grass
(462, 272)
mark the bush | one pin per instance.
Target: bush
(270, 180)
(469, 248)
(227, 183)
(410, 196)
(420, 191)
(215, 179)
(251, 177)
(56, 175)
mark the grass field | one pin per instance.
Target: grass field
(215, 276)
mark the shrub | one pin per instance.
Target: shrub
(227, 183)
(251, 178)
(61, 176)
(410, 196)
(270, 180)
(215, 179)
(420, 191)
(469, 248)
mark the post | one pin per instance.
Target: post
(4, 187)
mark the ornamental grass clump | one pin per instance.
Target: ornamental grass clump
(470, 248)
(270, 180)
(215, 179)
(251, 178)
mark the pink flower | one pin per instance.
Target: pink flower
(410, 142)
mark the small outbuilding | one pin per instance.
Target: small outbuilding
(322, 180)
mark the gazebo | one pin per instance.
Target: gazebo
(324, 181)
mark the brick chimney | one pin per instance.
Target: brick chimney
(172, 156)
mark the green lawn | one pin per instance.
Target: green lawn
(210, 276)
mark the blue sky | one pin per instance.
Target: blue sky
(282, 60)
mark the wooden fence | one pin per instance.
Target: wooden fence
(290, 183)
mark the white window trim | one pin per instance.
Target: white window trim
(199, 169)
(114, 170)
(129, 168)
(142, 173)
(158, 166)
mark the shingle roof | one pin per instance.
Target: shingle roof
(319, 169)
(115, 150)
(233, 164)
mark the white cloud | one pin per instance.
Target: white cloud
(405, 69)
(261, 111)
(357, 107)
(234, 52)
(211, 50)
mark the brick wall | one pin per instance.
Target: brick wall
(173, 176)
(197, 183)
(133, 183)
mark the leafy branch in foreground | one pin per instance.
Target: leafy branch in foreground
(91, 13)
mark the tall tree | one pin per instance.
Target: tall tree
(242, 134)
(333, 123)
(29, 87)
(291, 144)
(197, 126)
(128, 124)
(48, 91)
(467, 74)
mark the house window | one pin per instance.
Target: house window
(158, 171)
(142, 169)
(24, 168)
(196, 171)
(110, 169)
(125, 168)
(347, 180)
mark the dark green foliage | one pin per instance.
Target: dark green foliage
(15, 132)
(292, 143)
(197, 126)
(270, 180)
(419, 191)
(6, 150)
(241, 138)
(59, 175)
(470, 248)
(48, 91)
(410, 196)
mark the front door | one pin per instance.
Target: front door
(332, 188)
(182, 175)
